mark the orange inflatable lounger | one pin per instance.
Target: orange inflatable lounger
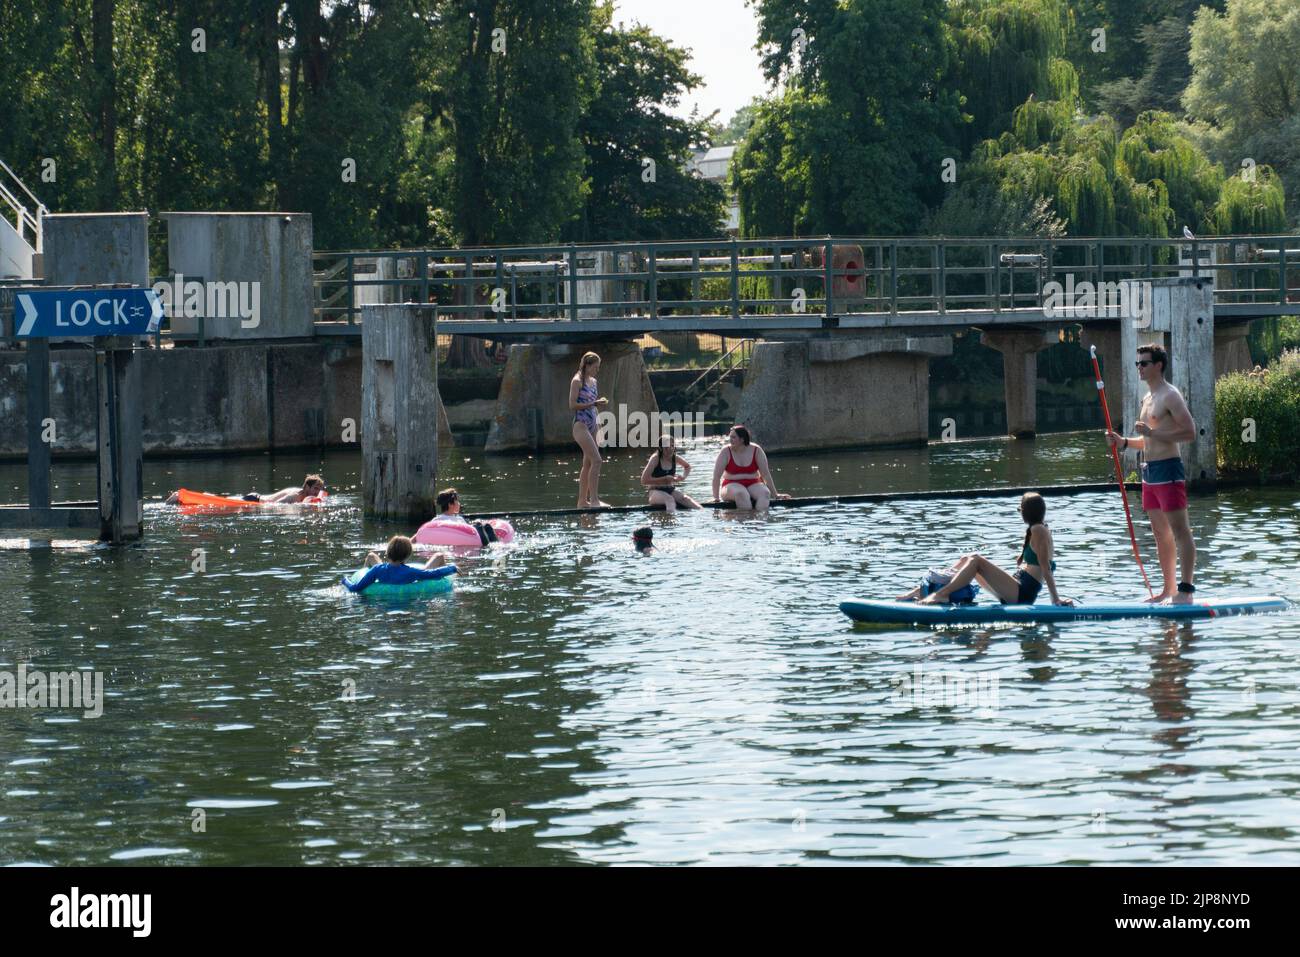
(224, 501)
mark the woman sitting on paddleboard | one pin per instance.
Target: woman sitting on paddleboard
(1034, 567)
(741, 474)
(660, 477)
(584, 400)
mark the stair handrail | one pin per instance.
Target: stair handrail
(25, 218)
(743, 347)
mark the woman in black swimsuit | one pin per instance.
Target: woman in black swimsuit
(660, 477)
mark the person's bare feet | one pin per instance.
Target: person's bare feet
(1162, 597)
(934, 600)
(1182, 598)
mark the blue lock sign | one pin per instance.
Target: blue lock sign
(41, 314)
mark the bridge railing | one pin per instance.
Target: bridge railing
(734, 279)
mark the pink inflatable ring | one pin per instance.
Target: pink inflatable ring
(460, 534)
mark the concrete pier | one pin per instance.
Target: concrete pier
(1020, 348)
(399, 402)
(237, 250)
(533, 407)
(842, 393)
(1181, 320)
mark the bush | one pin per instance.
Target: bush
(1257, 417)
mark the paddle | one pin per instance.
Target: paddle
(1119, 471)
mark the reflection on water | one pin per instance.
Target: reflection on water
(575, 702)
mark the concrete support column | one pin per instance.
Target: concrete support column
(100, 249)
(533, 406)
(121, 449)
(1020, 348)
(257, 270)
(1186, 307)
(1182, 321)
(842, 393)
(399, 404)
(1231, 351)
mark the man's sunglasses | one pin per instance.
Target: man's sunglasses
(1143, 363)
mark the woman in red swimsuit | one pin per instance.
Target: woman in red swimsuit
(741, 474)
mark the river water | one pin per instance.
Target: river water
(574, 702)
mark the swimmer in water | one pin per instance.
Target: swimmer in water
(392, 568)
(312, 485)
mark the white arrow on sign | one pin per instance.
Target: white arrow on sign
(156, 313)
(29, 315)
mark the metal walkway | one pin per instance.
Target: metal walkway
(779, 286)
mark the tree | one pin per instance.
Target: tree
(1245, 87)
(636, 150)
(857, 142)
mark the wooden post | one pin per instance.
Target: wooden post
(38, 410)
(120, 447)
(399, 410)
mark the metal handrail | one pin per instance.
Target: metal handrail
(25, 218)
(706, 279)
(726, 363)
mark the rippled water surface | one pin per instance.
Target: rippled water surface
(573, 702)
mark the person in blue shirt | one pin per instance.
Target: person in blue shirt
(393, 570)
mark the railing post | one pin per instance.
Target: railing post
(653, 282)
(893, 278)
(352, 288)
(941, 254)
(424, 276)
(573, 283)
(735, 279)
(695, 281)
(828, 269)
(1281, 269)
(1101, 265)
(995, 255)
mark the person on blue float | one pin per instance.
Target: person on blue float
(1035, 566)
(393, 570)
(741, 474)
(660, 476)
(584, 400)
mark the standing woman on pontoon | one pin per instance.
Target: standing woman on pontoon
(741, 474)
(584, 400)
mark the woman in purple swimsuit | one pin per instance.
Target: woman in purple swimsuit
(584, 400)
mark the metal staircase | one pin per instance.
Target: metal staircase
(22, 240)
(735, 359)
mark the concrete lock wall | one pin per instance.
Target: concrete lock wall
(270, 249)
(96, 249)
(840, 393)
(219, 399)
(533, 406)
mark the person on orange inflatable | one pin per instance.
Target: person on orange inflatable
(312, 486)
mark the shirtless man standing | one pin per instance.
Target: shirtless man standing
(1163, 424)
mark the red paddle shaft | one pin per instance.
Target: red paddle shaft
(1119, 471)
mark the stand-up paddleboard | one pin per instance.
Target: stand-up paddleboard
(914, 613)
(190, 499)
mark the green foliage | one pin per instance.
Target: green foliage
(641, 76)
(1271, 400)
(1245, 86)
(1269, 338)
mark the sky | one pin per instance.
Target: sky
(720, 35)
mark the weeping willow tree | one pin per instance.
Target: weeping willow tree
(1006, 52)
